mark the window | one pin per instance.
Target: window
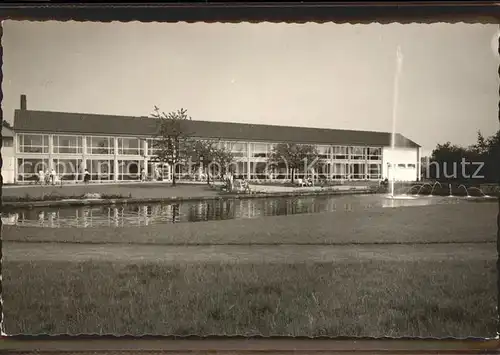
(339, 171)
(238, 149)
(358, 153)
(401, 166)
(28, 169)
(100, 145)
(340, 153)
(259, 150)
(152, 149)
(375, 171)
(412, 166)
(33, 143)
(69, 169)
(101, 169)
(6, 143)
(129, 146)
(68, 145)
(374, 153)
(358, 170)
(323, 152)
(129, 169)
(258, 170)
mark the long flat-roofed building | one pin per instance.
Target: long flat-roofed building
(117, 148)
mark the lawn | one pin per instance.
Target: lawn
(370, 298)
(137, 190)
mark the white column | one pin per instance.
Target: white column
(14, 149)
(248, 160)
(84, 156)
(115, 162)
(419, 163)
(349, 148)
(145, 154)
(51, 149)
(331, 163)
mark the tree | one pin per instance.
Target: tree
(445, 160)
(481, 147)
(293, 156)
(171, 137)
(486, 151)
(6, 124)
(223, 157)
(209, 152)
(200, 152)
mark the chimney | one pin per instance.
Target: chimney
(24, 105)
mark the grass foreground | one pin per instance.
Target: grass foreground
(370, 298)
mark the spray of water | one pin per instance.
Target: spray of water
(399, 65)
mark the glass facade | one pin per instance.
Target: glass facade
(100, 145)
(129, 146)
(68, 145)
(123, 158)
(28, 169)
(69, 169)
(129, 169)
(101, 169)
(33, 143)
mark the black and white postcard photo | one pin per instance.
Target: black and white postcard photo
(250, 179)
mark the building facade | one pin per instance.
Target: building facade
(118, 148)
(8, 153)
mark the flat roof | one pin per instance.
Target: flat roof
(84, 123)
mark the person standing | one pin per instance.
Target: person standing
(86, 176)
(53, 176)
(143, 175)
(47, 177)
(41, 177)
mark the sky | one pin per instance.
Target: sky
(311, 75)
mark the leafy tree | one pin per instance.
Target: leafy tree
(485, 151)
(445, 159)
(293, 156)
(209, 152)
(6, 124)
(171, 137)
(481, 147)
(223, 157)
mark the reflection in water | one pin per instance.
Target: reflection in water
(158, 213)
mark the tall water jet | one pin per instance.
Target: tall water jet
(399, 65)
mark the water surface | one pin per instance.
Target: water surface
(196, 211)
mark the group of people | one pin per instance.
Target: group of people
(48, 177)
(157, 174)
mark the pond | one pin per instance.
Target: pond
(191, 211)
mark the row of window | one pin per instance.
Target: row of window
(73, 169)
(38, 143)
(104, 170)
(67, 144)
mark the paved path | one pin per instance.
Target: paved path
(15, 251)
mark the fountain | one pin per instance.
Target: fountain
(392, 180)
(434, 186)
(466, 191)
(422, 186)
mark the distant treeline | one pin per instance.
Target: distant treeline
(479, 162)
